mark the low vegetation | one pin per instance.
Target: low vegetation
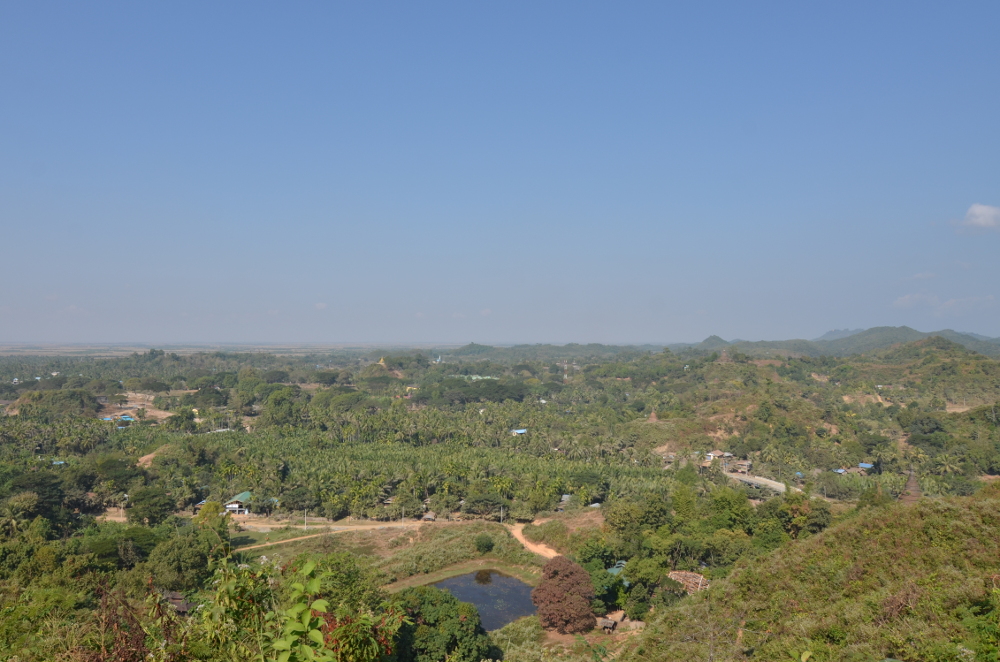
(903, 581)
(438, 547)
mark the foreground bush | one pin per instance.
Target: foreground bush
(524, 641)
(439, 628)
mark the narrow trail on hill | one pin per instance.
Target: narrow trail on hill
(912, 492)
(146, 461)
(542, 550)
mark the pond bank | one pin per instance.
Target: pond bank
(527, 574)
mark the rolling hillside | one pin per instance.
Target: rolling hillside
(910, 582)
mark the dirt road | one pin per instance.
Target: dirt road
(542, 550)
(146, 461)
(517, 531)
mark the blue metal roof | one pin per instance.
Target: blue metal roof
(616, 570)
(865, 465)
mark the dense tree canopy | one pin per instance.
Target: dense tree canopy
(564, 597)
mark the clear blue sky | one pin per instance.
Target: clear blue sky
(496, 172)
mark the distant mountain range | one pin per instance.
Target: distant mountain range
(839, 342)
(837, 334)
(844, 342)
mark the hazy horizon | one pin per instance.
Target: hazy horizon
(255, 173)
(402, 344)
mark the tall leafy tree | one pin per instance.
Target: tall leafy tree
(564, 597)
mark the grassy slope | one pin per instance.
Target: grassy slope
(894, 582)
(437, 547)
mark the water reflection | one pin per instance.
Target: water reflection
(499, 598)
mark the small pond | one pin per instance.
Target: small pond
(499, 598)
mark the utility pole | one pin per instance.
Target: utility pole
(305, 519)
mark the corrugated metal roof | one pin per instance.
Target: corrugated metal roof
(241, 497)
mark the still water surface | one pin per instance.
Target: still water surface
(499, 598)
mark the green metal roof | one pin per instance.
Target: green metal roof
(242, 497)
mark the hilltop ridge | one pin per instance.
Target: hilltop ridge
(843, 343)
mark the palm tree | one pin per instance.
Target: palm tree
(883, 456)
(770, 454)
(947, 464)
(14, 512)
(914, 456)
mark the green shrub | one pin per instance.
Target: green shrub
(440, 628)
(484, 543)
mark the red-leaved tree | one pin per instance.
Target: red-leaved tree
(563, 597)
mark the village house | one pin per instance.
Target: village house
(741, 466)
(239, 504)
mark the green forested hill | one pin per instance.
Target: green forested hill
(876, 338)
(911, 582)
(885, 336)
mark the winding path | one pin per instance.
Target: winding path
(542, 550)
